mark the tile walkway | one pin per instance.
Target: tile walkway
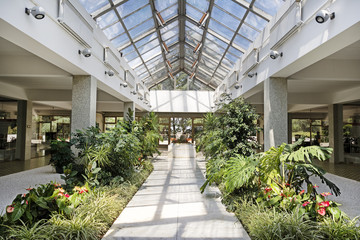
(169, 205)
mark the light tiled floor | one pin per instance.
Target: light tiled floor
(15, 166)
(170, 206)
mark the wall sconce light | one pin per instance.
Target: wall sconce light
(237, 86)
(149, 106)
(110, 73)
(275, 54)
(324, 15)
(86, 52)
(37, 12)
(141, 98)
(133, 92)
(123, 85)
(250, 75)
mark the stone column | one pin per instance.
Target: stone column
(128, 105)
(24, 130)
(336, 132)
(275, 112)
(260, 134)
(83, 111)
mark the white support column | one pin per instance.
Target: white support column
(275, 112)
(83, 112)
(128, 105)
(24, 130)
(336, 132)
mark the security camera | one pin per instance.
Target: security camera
(37, 12)
(323, 15)
(123, 85)
(237, 86)
(141, 98)
(86, 52)
(133, 92)
(275, 54)
(110, 73)
(250, 75)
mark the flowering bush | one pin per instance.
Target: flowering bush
(38, 203)
(313, 205)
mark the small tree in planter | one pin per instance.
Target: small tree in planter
(61, 154)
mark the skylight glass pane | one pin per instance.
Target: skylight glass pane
(153, 62)
(134, 63)
(176, 65)
(113, 30)
(137, 17)
(220, 29)
(128, 50)
(169, 13)
(193, 13)
(161, 66)
(146, 39)
(162, 4)
(231, 57)
(171, 41)
(140, 69)
(171, 33)
(192, 37)
(202, 5)
(144, 75)
(208, 62)
(213, 46)
(211, 53)
(194, 27)
(93, 5)
(227, 63)
(235, 52)
(170, 26)
(121, 40)
(232, 7)
(131, 56)
(217, 41)
(225, 18)
(270, 7)
(242, 42)
(152, 53)
(256, 21)
(159, 75)
(207, 69)
(147, 47)
(222, 71)
(130, 6)
(190, 58)
(107, 19)
(142, 29)
(248, 32)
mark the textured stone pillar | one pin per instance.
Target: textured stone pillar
(83, 112)
(275, 112)
(128, 105)
(24, 130)
(336, 132)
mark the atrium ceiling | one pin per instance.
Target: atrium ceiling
(198, 39)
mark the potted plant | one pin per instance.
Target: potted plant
(61, 154)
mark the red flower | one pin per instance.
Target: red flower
(322, 211)
(67, 195)
(287, 184)
(9, 209)
(268, 189)
(302, 192)
(305, 204)
(269, 196)
(60, 194)
(315, 186)
(324, 194)
(29, 189)
(27, 202)
(24, 195)
(324, 204)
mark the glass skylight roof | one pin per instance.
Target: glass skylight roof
(164, 38)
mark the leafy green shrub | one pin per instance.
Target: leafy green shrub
(343, 229)
(38, 231)
(61, 155)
